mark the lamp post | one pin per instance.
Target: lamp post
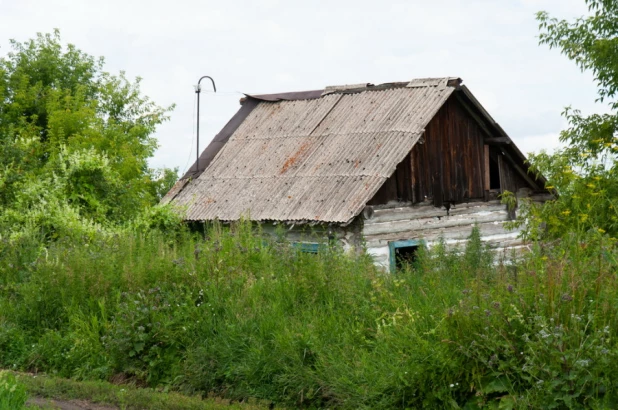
(198, 90)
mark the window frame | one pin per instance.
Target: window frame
(306, 247)
(393, 245)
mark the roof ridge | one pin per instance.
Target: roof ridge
(439, 82)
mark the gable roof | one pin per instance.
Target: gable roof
(311, 156)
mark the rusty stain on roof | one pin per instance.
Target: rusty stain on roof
(291, 160)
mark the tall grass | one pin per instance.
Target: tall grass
(13, 394)
(232, 314)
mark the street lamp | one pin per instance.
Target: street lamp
(198, 89)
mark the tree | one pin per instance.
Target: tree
(74, 142)
(585, 174)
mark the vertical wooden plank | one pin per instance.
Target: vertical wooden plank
(425, 188)
(398, 183)
(480, 159)
(407, 171)
(501, 172)
(486, 172)
(507, 180)
(436, 163)
(413, 178)
(461, 161)
(469, 174)
(446, 132)
(403, 180)
(486, 169)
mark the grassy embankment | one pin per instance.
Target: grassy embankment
(238, 318)
(54, 391)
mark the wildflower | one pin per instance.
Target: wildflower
(566, 212)
(582, 363)
(601, 230)
(509, 288)
(451, 386)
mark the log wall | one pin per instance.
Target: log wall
(428, 224)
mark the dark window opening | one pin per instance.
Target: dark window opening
(402, 253)
(494, 174)
(404, 256)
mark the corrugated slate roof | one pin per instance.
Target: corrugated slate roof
(320, 159)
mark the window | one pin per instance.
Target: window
(402, 253)
(306, 247)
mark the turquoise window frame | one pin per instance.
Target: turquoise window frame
(306, 247)
(401, 244)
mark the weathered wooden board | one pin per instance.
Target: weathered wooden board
(420, 212)
(432, 235)
(419, 224)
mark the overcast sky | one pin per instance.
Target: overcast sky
(266, 46)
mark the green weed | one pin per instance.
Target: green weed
(13, 394)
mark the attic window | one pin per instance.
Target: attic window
(492, 169)
(402, 253)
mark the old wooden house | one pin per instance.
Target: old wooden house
(389, 167)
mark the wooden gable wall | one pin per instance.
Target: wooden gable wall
(449, 163)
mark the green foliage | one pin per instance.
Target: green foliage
(584, 175)
(239, 316)
(74, 144)
(13, 394)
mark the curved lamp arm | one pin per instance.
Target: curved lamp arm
(198, 87)
(198, 90)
